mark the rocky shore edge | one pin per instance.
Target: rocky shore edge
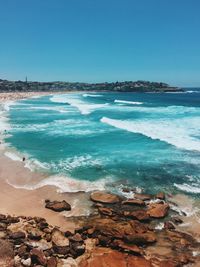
(138, 231)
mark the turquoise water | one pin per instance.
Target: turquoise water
(150, 140)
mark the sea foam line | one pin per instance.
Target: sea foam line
(128, 102)
(66, 184)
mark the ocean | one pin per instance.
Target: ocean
(87, 141)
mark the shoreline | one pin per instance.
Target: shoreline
(19, 201)
(24, 202)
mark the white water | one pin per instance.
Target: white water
(180, 133)
(66, 184)
(128, 102)
(83, 107)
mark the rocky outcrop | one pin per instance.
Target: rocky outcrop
(104, 198)
(57, 206)
(158, 210)
(120, 232)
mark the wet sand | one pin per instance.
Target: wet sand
(32, 202)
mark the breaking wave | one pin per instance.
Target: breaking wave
(83, 107)
(66, 184)
(128, 102)
(183, 134)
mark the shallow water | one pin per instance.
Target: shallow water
(100, 140)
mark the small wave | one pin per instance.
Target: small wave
(174, 132)
(66, 184)
(188, 188)
(72, 163)
(74, 101)
(191, 91)
(90, 95)
(128, 102)
(12, 156)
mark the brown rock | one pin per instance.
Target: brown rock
(38, 257)
(119, 244)
(6, 253)
(160, 195)
(22, 250)
(169, 226)
(77, 249)
(133, 201)
(115, 229)
(104, 240)
(76, 238)
(104, 198)
(141, 239)
(106, 211)
(58, 238)
(105, 257)
(140, 215)
(142, 196)
(2, 217)
(34, 234)
(52, 262)
(139, 227)
(58, 206)
(17, 235)
(158, 210)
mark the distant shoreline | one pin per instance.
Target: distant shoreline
(126, 86)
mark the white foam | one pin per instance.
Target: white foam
(182, 133)
(128, 102)
(159, 226)
(74, 101)
(34, 164)
(66, 184)
(12, 156)
(75, 162)
(191, 91)
(188, 188)
(90, 95)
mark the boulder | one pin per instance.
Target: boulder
(58, 206)
(109, 227)
(17, 235)
(104, 198)
(140, 215)
(141, 239)
(38, 257)
(158, 210)
(34, 234)
(58, 238)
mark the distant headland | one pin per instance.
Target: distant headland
(126, 86)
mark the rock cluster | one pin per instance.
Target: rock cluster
(30, 241)
(121, 232)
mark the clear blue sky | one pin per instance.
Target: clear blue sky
(101, 40)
